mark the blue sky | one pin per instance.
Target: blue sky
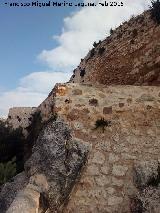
(24, 34)
(40, 46)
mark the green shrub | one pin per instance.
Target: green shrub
(102, 123)
(82, 72)
(92, 53)
(11, 144)
(111, 31)
(7, 170)
(155, 10)
(95, 44)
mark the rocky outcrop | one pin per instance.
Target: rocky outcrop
(9, 190)
(50, 173)
(129, 56)
(147, 180)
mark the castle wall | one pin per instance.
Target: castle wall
(106, 183)
(129, 56)
(20, 117)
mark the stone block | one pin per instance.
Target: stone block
(117, 182)
(77, 92)
(93, 170)
(98, 157)
(114, 200)
(119, 170)
(107, 110)
(105, 169)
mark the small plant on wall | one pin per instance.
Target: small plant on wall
(102, 124)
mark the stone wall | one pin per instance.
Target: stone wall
(130, 140)
(106, 183)
(20, 117)
(47, 106)
(129, 56)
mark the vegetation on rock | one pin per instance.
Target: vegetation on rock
(155, 10)
(7, 170)
(102, 123)
(11, 145)
(101, 50)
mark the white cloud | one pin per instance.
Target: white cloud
(79, 32)
(32, 90)
(42, 82)
(83, 28)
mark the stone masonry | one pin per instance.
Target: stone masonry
(20, 117)
(106, 183)
(129, 56)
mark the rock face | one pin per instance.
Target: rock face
(129, 56)
(9, 190)
(51, 172)
(147, 180)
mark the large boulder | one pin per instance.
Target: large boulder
(52, 170)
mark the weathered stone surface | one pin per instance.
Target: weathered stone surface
(77, 92)
(149, 199)
(144, 171)
(132, 136)
(9, 190)
(147, 178)
(93, 170)
(102, 180)
(105, 169)
(93, 102)
(98, 158)
(145, 97)
(114, 200)
(113, 157)
(53, 168)
(107, 110)
(117, 182)
(110, 190)
(26, 201)
(129, 59)
(119, 170)
(121, 104)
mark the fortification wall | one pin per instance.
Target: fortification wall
(123, 157)
(20, 117)
(129, 56)
(106, 183)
